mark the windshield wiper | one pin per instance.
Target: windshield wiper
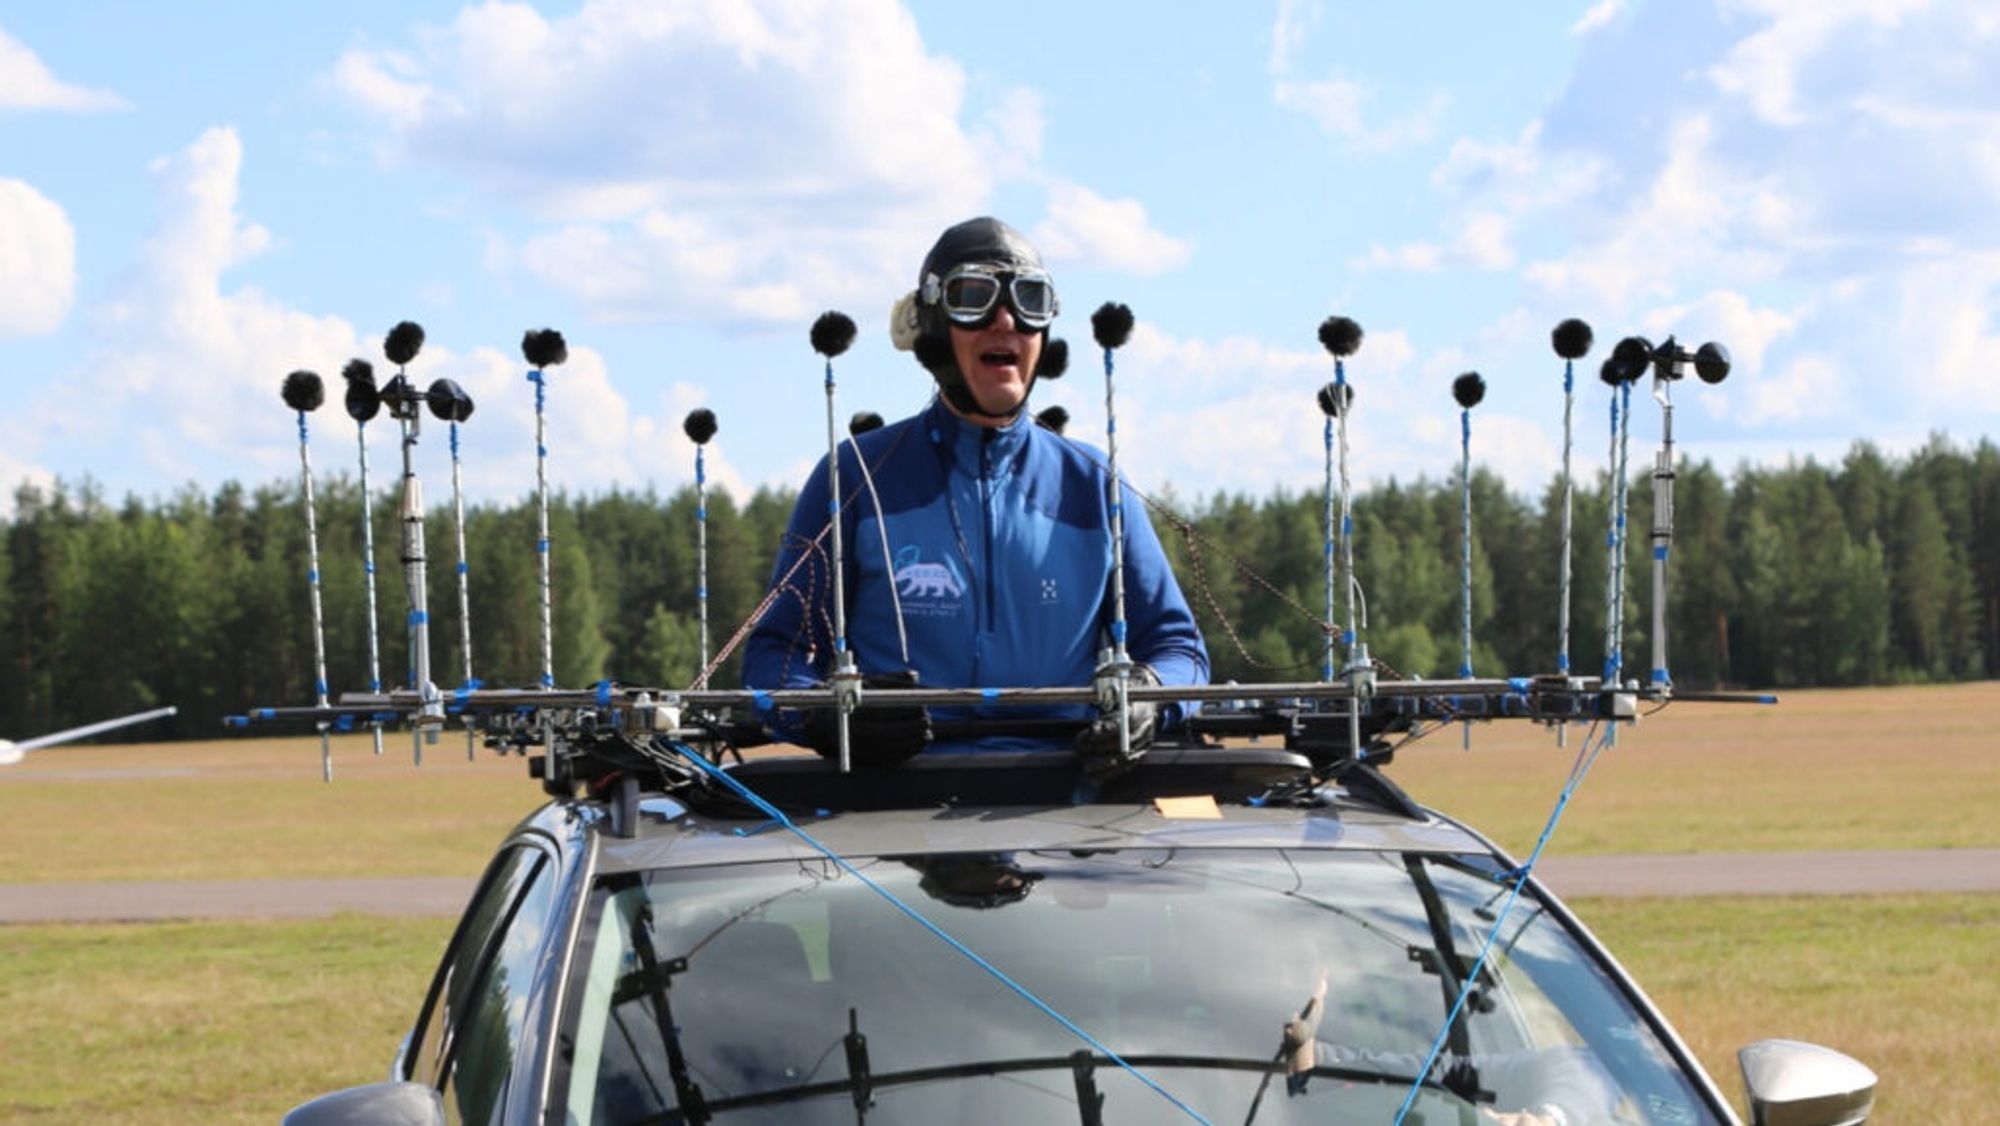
(1462, 1078)
(1081, 1063)
(858, 1076)
(656, 980)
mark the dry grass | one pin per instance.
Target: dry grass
(203, 1022)
(1857, 769)
(256, 808)
(1861, 769)
(1903, 983)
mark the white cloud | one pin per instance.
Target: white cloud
(37, 260)
(1747, 331)
(739, 160)
(1810, 386)
(1240, 414)
(1337, 105)
(1947, 333)
(188, 372)
(27, 84)
(1294, 21)
(1765, 68)
(1596, 16)
(1084, 226)
(1684, 223)
(1484, 241)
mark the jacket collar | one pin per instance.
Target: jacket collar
(971, 446)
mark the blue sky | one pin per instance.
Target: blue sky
(198, 198)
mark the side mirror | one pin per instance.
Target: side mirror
(391, 1104)
(1789, 1083)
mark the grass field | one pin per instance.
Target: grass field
(234, 1021)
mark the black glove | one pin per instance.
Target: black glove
(1098, 743)
(877, 736)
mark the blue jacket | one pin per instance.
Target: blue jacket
(998, 545)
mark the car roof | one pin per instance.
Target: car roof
(1204, 798)
(670, 835)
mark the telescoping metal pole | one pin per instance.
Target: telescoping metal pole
(700, 426)
(1111, 325)
(831, 335)
(1572, 340)
(364, 402)
(1341, 337)
(304, 392)
(405, 405)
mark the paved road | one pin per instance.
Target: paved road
(1781, 873)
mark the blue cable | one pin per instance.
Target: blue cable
(1586, 756)
(777, 815)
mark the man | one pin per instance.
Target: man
(982, 556)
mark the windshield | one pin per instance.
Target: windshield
(1250, 985)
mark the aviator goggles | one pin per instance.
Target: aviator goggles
(968, 295)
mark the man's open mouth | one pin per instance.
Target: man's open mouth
(1000, 357)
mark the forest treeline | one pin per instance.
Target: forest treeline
(1876, 570)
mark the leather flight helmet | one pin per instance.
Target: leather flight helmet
(984, 241)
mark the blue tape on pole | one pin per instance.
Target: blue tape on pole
(1660, 553)
(1519, 683)
(312, 575)
(236, 721)
(541, 451)
(368, 568)
(319, 686)
(761, 701)
(603, 693)
(454, 441)
(1465, 671)
(1767, 699)
(1111, 426)
(266, 713)
(1347, 637)
(701, 592)
(1347, 525)
(462, 568)
(302, 428)
(542, 545)
(1118, 633)
(701, 512)
(1562, 662)
(1659, 676)
(840, 645)
(419, 618)
(344, 723)
(989, 693)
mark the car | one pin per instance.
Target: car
(1216, 933)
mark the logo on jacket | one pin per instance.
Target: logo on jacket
(916, 579)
